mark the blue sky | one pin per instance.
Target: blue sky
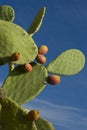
(64, 27)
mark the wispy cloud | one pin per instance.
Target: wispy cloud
(67, 117)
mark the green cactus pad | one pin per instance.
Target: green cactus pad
(70, 62)
(7, 13)
(23, 86)
(36, 24)
(13, 39)
(44, 125)
(13, 117)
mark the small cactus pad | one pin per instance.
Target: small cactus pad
(22, 86)
(34, 27)
(14, 39)
(7, 13)
(13, 116)
(69, 62)
(44, 124)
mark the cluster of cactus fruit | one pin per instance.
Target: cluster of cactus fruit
(41, 59)
(27, 75)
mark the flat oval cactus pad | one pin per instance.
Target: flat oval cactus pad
(14, 39)
(22, 86)
(7, 13)
(70, 62)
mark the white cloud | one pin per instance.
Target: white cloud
(67, 117)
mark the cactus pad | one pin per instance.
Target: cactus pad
(36, 24)
(13, 39)
(69, 62)
(44, 125)
(23, 86)
(7, 13)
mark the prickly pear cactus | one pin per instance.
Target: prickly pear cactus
(23, 83)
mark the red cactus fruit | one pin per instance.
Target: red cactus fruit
(27, 67)
(41, 59)
(32, 115)
(15, 56)
(42, 49)
(53, 79)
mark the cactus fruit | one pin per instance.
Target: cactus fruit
(53, 79)
(41, 59)
(27, 67)
(32, 115)
(15, 56)
(42, 49)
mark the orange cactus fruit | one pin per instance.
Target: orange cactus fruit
(53, 79)
(15, 56)
(41, 59)
(42, 49)
(27, 67)
(32, 115)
